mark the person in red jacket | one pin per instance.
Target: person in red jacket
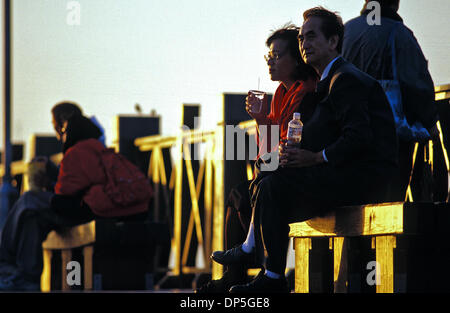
(82, 175)
(78, 169)
(75, 201)
(29, 223)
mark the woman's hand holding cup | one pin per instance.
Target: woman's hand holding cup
(256, 104)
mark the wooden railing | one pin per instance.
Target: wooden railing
(209, 169)
(210, 235)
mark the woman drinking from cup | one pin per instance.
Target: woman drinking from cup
(296, 80)
(297, 83)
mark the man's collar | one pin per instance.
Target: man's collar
(385, 12)
(327, 68)
(324, 84)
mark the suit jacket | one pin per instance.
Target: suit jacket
(353, 120)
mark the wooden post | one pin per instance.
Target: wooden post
(176, 241)
(384, 246)
(46, 271)
(208, 200)
(302, 247)
(340, 252)
(66, 256)
(219, 201)
(88, 253)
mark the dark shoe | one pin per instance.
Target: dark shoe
(262, 284)
(224, 284)
(18, 283)
(235, 256)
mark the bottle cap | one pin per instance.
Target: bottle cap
(296, 115)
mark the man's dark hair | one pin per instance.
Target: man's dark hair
(289, 34)
(331, 23)
(42, 178)
(63, 111)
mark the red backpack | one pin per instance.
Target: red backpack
(125, 184)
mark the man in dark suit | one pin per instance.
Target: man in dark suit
(348, 150)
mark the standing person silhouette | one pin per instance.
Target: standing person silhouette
(374, 49)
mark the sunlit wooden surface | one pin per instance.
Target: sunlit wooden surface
(66, 240)
(385, 223)
(353, 221)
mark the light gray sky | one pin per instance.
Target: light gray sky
(161, 54)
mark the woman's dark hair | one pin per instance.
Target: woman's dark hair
(331, 23)
(80, 128)
(63, 111)
(289, 34)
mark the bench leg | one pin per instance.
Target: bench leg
(340, 276)
(88, 253)
(66, 257)
(46, 271)
(384, 246)
(302, 247)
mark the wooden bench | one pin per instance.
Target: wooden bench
(390, 225)
(74, 237)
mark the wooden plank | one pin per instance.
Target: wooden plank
(208, 192)
(46, 271)
(72, 237)
(66, 257)
(302, 247)
(340, 251)
(377, 219)
(385, 257)
(176, 240)
(88, 253)
(218, 199)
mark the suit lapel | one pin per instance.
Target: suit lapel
(323, 86)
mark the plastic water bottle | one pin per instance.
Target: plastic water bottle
(295, 128)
